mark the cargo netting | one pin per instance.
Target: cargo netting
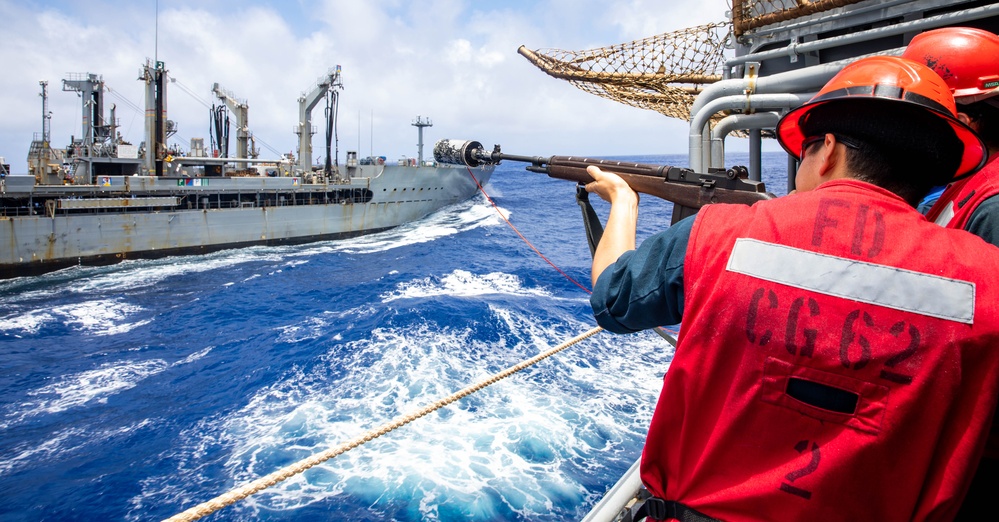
(665, 73)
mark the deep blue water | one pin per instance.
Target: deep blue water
(135, 391)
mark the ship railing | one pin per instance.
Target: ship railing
(19, 212)
(190, 201)
(269, 200)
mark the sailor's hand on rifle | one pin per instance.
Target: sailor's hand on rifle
(609, 186)
(619, 233)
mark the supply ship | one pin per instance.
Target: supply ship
(102, 200)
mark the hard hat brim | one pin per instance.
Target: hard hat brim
(790, 134)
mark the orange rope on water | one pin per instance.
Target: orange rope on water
(542, 256)
(669, 335)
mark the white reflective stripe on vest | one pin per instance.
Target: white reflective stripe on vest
(887, 286)
(946, 215)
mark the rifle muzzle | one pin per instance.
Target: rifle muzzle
(458, 152)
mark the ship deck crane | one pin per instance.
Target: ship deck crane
(241, 109)
(306, 103)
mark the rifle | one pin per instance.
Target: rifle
(687, 189)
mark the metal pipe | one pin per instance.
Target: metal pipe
(792, 172)
(795, 48)
(733, 122)
(807, 79)
(756, 153)
(747, 103)
(800, 80)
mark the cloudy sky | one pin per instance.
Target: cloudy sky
(454, 61)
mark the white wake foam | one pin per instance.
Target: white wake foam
(29, 322)
(465, 284)
(63, 443)
(97, 317)
(88, 387)
(452, 220)
(523, 438)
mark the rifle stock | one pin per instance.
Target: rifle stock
(682, 186)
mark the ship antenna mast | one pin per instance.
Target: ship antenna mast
(46, 115)
(420, 123)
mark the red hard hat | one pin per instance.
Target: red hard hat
(965, 57)
(889, 80)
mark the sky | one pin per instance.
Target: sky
(452, 61)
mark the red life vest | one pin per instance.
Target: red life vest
(829, 365)
(960, 199)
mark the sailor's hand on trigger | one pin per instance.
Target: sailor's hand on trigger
(609, 186)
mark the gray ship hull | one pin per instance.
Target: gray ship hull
(100, 224)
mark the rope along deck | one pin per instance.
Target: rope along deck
(262, 483)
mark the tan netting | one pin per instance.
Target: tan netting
(663, 73)
(750, 14)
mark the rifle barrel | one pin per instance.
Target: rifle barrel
(679, 185)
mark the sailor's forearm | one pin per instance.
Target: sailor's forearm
(619, 233)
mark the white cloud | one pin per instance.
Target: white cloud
(451, 60)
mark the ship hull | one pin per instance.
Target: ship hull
(52, 240)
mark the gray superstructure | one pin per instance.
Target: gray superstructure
(105, 208)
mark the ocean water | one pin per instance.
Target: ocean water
(136, 391)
